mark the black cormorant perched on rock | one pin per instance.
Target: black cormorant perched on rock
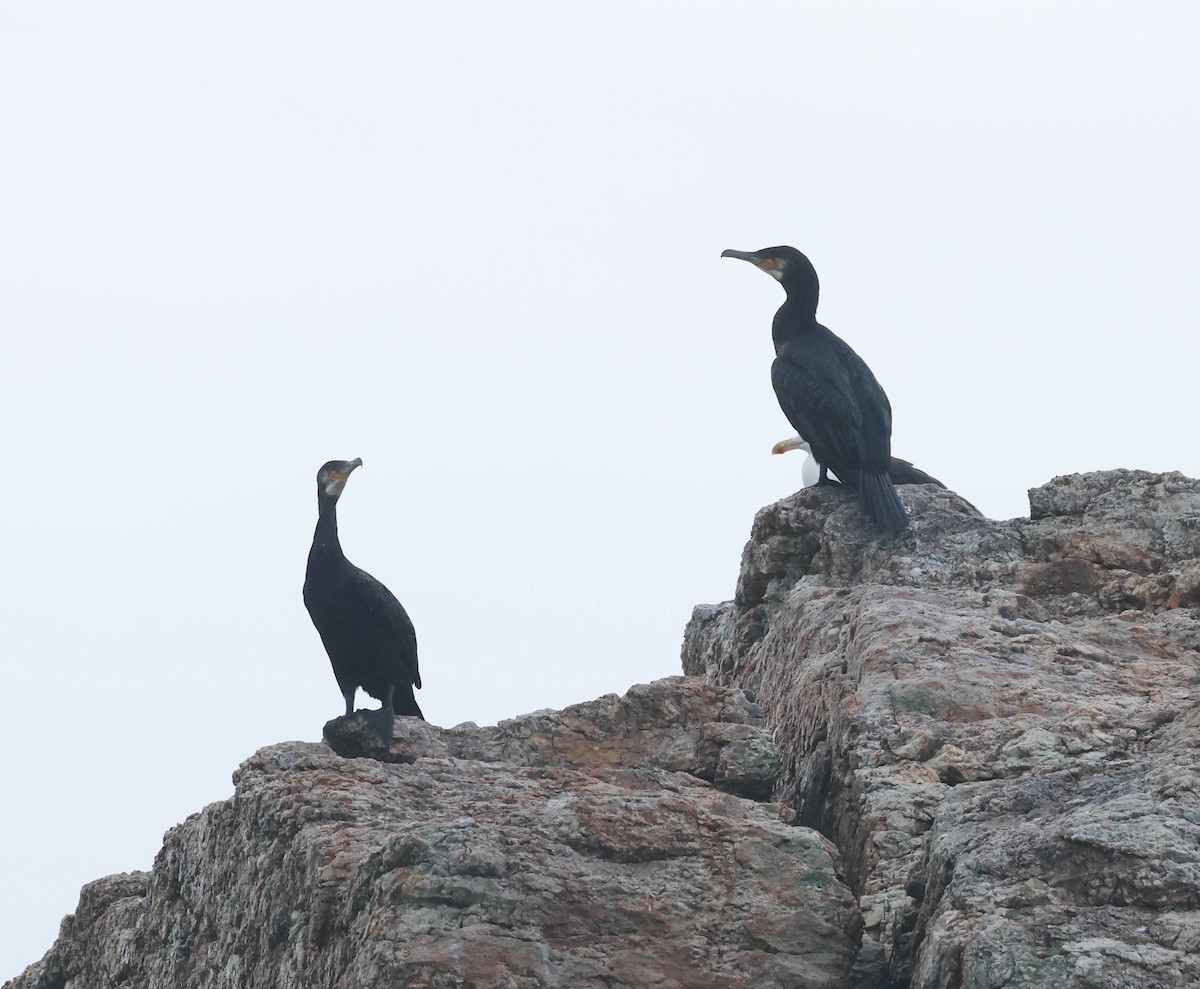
(367, 633)
(826, 391)
(900, 471)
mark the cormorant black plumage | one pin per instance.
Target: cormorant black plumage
(903, 472)
(366, 631)
(826, 391)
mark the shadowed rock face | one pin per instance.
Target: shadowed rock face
(578, 848)
(995, 721)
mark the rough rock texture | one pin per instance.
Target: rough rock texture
(711, 733)
(584, 848)
(995, 722)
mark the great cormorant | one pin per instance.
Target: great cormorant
(367, 633)
(826, 391)
(900, 471)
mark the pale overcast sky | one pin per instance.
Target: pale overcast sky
(477, 245)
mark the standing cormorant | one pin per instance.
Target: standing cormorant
(826, 391)
(900, 471)
(367, 633)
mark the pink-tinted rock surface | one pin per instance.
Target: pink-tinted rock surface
(578, 848)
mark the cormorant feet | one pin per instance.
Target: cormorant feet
(827, 482)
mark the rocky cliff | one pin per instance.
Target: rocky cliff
(964, 757)
(995, 723)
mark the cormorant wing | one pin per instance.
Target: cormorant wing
(382, 606)
(822, 408)
(835, 403)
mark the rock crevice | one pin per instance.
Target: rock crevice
(982, 716)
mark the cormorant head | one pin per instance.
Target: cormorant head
(332, 477)
(786, 265)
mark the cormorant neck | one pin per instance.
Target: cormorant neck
(325, 539)
(797, 314)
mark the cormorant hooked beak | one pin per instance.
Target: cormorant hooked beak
(741, 255)
(772, 266)
(348, 467)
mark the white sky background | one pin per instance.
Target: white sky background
(478, 246)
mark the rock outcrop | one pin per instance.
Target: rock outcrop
(995, 722)
(581, 848)
(968, 756)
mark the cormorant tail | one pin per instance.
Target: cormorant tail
(406, 703)
(879, 498)
(902, 472)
